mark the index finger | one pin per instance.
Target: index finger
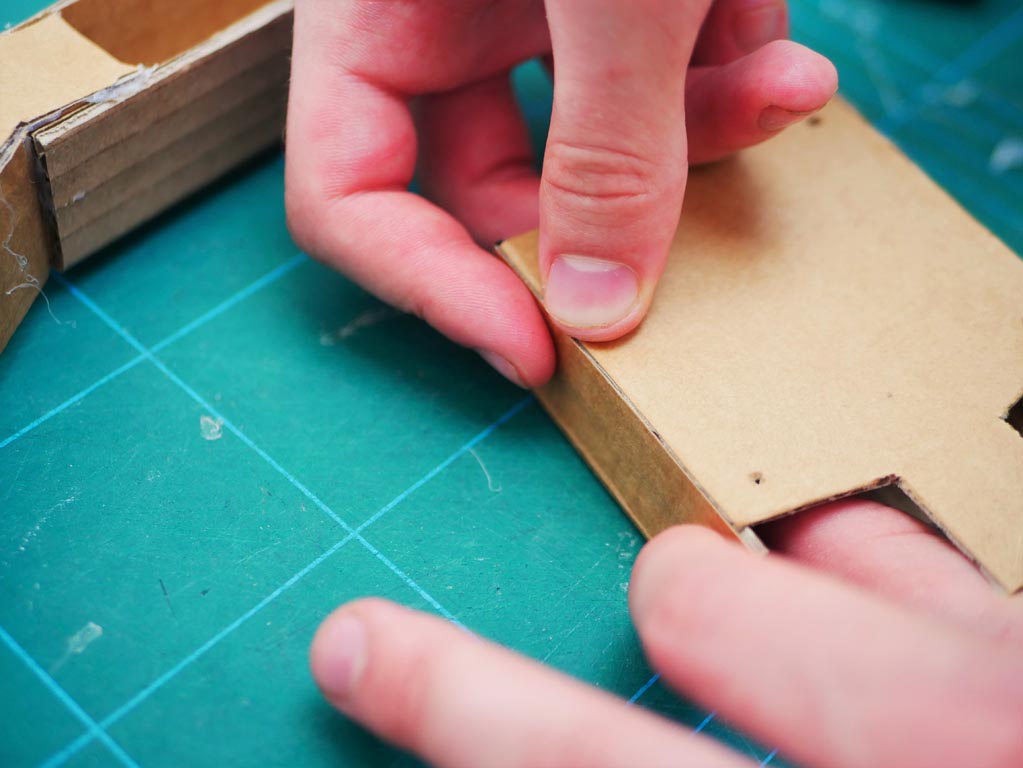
(351, 152)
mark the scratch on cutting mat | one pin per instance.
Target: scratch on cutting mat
(32, 532)
(486, 473)
(367, 319)
(166, 596)
(210, 428)
(77, 643)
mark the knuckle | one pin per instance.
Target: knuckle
(590, 177)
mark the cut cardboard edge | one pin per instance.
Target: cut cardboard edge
(78, 134)
(67, 113)
(105, 165)
(746, 533)
(719, 521)
(689, 503)
(1002, 575)
(163, 76)
(25, 237)
(92, 204)
(175, 187)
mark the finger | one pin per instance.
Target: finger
(615, 166)
(893, 554)
(735, 28)
(456, 700)
(350, 156)
(831, 675)
(481, 170)
(740, 104)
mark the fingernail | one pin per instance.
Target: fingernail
(757, 26)
(502, 366)
(775, 118)
(583, 292)
(339, 656)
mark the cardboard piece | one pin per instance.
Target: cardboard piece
(116, 164)
(830, 322)
(121, 109)
(66, 66)
(47, 64)
(24, 241)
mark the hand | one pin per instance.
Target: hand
(919, 663)
(638, 95)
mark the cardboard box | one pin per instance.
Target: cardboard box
(120, 108)
(830, 322)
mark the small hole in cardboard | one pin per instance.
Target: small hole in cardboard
(756, 477)
(1015, 416)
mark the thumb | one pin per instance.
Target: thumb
(615, 166)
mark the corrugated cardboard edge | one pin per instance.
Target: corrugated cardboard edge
(214, 142)
(117, 163)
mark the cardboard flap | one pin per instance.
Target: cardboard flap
(831, 321)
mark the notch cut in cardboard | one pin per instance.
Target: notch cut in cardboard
(114, 110)
(829, 322)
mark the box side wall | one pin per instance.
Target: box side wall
(620, 448)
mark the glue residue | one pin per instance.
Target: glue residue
(210, 428)
(78, 642)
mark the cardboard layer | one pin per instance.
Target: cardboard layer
(116, 164)
(91, 146)
(830, 321)
(48, 64)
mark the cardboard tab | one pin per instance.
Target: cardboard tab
(829, 322)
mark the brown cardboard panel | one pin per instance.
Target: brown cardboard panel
(830, 321)
(239, 61)
(24, 243)
(109, 166)
(229, 153)
(120, 144)
(91, 166)
(262, 114)
(46, 65)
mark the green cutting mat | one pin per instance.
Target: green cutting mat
(207, 441)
